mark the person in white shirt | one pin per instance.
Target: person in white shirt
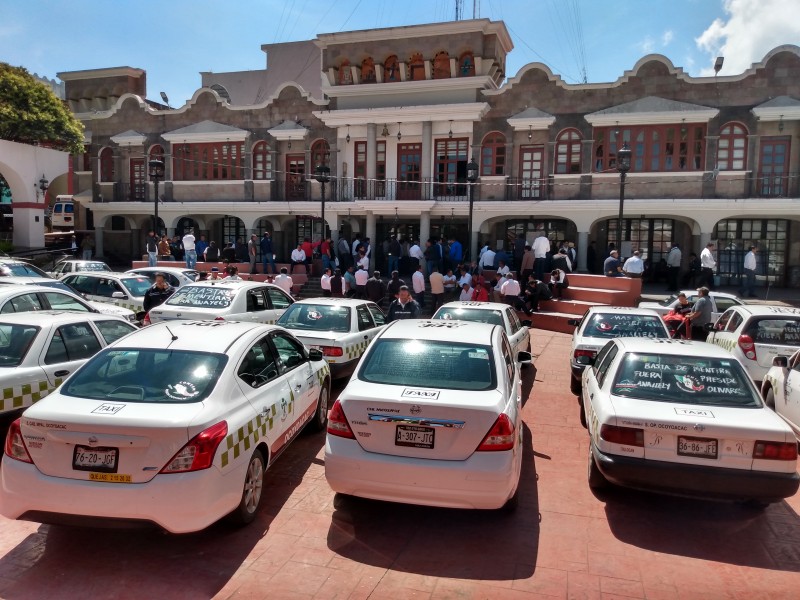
(190, 253)
(510, 290)
(449, 282)
(634, 266)
(325, 283)
(362, 276)
(466, 277)
(437, 287)
(298, 257)
(673, 267)
(466, 293)
(541, 246)
(284, 281)
(354, 248)
(749, 280)
(487, 260)
(418, 282)
(362, 262)
(415, 252)
(558, 283)
(502, 268)
(707, 265)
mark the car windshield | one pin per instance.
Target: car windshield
(317, 317)
(493, 317)
(775, 331)
(427, 363)
(15, 341)
(614, 325)
(685, 380)
(202, 297)
(137, 286)
(21, 270)
(172, 376)
(668, 301)
(92, 266)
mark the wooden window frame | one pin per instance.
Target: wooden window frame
(675, 147)
(262, 161)
(211, 161)
(565, 146)
(728, 136)
(107, 165)
(493, 154)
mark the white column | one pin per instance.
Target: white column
(373, 240)
(426, 168)
(424, 228)
(583, 245)
(372, 154)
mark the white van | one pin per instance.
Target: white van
(63, 213)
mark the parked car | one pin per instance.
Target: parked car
(233, 300)
(781, 389)
(119, 289)
(19, 268)
(163, 427)
(720, 302)
(24, 298)
(431, 416)
(756, 334)
(175, 276)
(38, 350)
(73, 265)
(683, 417)
(602, 323)
(342, 328)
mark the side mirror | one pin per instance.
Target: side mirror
(585, 360)
(709, 327)
(574, 322)
(118, 295)
(527, 323)
(315, 355)
(780, 361)
(524, 357)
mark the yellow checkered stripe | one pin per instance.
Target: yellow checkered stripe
(356, 350)
(23, 395)
(728, 344)
(129, 306)
(322, 373)
(247, 436)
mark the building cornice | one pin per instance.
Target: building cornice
(99, 73)
(777, 113)
(473, 111)
(397, 88)
(652, 118)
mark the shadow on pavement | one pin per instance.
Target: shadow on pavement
(468, 544)
(713, 531)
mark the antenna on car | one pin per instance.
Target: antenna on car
(174, 337)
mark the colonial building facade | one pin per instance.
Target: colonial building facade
(398, 114)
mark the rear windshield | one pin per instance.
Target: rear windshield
(137, 286)
(614, 325)
(21, 270)
(493, 317)
(15, 341)
(172, 376)
(426, 363)
(92, 266)
(202, 297)
(316, 317)
(775, 331)
(685, 380)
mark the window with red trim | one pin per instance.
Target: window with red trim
(211, 161)
(732, 149)
(416, 67)
(368, 71)
(106, 164)
(568, 152)
(441, 65)
(345, 75)
(262, 161)
(360, 169)
(320, 153)
(679, 147)
(466, 65)
(156, 153)
(493, 154)
(85, 159)
(391, 69)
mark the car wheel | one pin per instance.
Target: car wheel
(320, 419)
(575, 386)
(251, 493)
(583, 417)
(597, 480)
(769, 398)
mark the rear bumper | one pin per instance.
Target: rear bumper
(695, 480)
(345, 369)
(486, 480)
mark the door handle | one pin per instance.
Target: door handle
(265, 411)
(298, 387)
(61, 373)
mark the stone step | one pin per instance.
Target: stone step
(574, 307)
(552, 321)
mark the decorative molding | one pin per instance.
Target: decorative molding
(473, 111)
(394, 88)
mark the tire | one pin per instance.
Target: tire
(769, 398)
(252, 489)
(320, 419)
(575, 386)
(597, 481)
(583, 418)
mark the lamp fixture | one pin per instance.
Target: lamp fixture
(385, 132)
(450, 133)
(780, 124)
(399, 135)
(289, 146)
(347, 139)
(530, 132)
(718, 64)
(43, 183)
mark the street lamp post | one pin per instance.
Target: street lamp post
(623, 166)
(472, 177)
(323, 174)
(156, 173)
(43, 185)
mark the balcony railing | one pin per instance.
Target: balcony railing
(776, 185)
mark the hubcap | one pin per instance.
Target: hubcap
(323, 405)
(252, 485)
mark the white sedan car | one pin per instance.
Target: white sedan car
(175, 276)
(494, 313)
(38, 350)
(18, 294)
(158, 429)
(602, 323)
(720, 302)
(341, 328)
(682, 417)
(232, 300)
(431, 416)
(119, 289)
(75, 265)
(781, 389)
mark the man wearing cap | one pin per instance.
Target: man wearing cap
(611, 266)
(634, 266)
(158, 293)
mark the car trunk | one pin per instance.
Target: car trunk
(170, 313)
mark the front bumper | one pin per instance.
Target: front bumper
(695, 480)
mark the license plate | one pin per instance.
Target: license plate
(414, 437)
(110, 477)
(100, 460)
(697, 447)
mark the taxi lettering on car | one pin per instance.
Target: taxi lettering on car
(192, 429)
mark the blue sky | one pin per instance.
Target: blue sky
(174, 41)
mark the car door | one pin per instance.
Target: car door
(725, 332)
(59, 301)
(254, 303)
(594, 380)
(70, 346)
(518, 335)
(279, 301)
(23, 303)
(83, 284)
(367, 330)
(293, 363)
(790, 407)
(21, 377)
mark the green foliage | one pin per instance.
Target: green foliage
(31, 113)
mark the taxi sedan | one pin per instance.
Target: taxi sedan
(341, 328)
(494, 313)
(155, 429)
(781, 389)
(682, 417)
(431, 416)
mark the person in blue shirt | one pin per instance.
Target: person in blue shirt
(267, 253)
(612, 267)
(200, 247)
(456, 254)
(350, 278)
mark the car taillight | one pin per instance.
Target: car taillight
(198, 453)
(748, 346)
(331, 351)
(219, 319)
(337, 422)
(146, 320)
(587, 353)
(625, 436)
(500, 437)
(15, 445)
(771, 450)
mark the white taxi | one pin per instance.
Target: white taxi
(720, 302)
(232, 300)
(175, 276)
(75, 265)
(38, 350)
(494, 313)
(341, 328)
(602, 323)
(431, 416)
(154, 429)
(51, 294)
(756, 334)
(682, 417)
(118, 289)
(781, 389)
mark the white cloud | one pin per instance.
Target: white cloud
(646, 46)
(749, 30)
(666, 37)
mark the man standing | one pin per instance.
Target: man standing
(200, 248)
(189, 252)
(700, 315)
(362, 277)
(707, 265)
(343, 253)
(403, 307)
(437, 287)
(252, 253)
(418, 282)
(561, 261)
(611, 266)
(350, 280)
(87, 247)
(267, 253)
(394, 252)
(526, 264)
(376, 289)
(151, 245)
(395, 283)
(355, 247)
(541, 246)
(325, 282)
(634, 266)
(158, 293)
(416, 255)
(519, 250)
(284, 281)
(455, 254)
(338, 285)
(749, 281)
(673, 267)
(212, 253)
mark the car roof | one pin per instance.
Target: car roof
(160, 270)
(672, 346)
(17, 280)
(467, 332)
(627, 310)
(13, 290)
(195, 335)
(477, 305)
(711, 293)
(335, 301)
(103, 274)
(768, 310)
(55, 317)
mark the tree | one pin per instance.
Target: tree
(30, 113)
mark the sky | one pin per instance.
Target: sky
(579, 40)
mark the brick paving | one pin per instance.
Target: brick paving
(561, 543)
